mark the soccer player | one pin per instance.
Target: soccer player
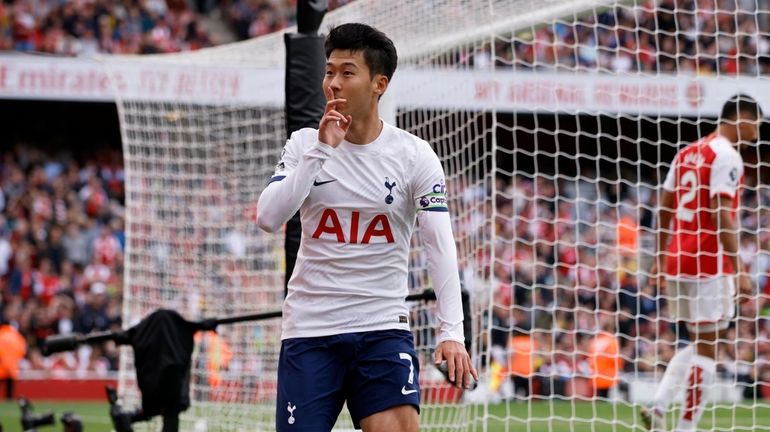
(701, 264)
(360, 184)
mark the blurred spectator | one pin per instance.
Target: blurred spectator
(14, 348)
(605, 360)
(523, 362)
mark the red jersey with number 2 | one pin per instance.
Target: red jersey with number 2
(701, 171)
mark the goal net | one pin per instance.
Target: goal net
(555, 121)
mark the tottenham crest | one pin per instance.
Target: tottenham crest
(291, 413)
(390, 185)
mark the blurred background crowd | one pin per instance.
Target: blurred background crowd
(86, 27)
(687, 36)
(61, 252)
(724, 37)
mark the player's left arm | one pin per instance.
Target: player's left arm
(436, 233)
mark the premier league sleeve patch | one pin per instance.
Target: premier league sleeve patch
(434, 201)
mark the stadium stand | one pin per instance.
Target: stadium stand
(663, 36)
(73, 28)
(658, 37)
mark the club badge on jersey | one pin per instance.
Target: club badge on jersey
(390, 185)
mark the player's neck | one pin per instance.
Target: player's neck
(365, 130)
(724, 130)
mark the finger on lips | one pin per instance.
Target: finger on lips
(332, 104)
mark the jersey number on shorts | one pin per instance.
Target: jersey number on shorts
(690, 181)
(405, 356)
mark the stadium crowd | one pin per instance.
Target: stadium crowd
(724, 37)
(101, 26)
(686, 36)
(86, 27)
(61, 253)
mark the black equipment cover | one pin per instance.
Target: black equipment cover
(163, 346)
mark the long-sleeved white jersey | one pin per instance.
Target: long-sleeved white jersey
(358, 206)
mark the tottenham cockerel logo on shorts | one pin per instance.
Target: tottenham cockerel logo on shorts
(291, 413)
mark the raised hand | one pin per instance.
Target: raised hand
(745, 288)
(334, 125)
(658, 276)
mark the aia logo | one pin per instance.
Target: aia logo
(330, 224)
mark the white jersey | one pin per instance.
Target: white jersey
(358, 207)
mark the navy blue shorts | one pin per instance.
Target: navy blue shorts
(371, 371)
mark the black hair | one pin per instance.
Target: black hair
(379, 51)
(740, 103)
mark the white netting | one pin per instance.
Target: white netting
(555, 121)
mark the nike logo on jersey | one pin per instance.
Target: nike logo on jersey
(405, 392)
(319, 183)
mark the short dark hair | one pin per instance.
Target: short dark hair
(379, 51)
(740, 103)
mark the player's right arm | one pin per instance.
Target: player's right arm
(727, 228)
(724, 183)
(291, 182)
(298, 168)
(728, 236)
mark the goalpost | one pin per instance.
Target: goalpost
(555, 122)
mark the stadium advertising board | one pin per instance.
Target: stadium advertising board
(28, 77)
(517, 91)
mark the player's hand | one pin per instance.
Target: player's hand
(334, 125)
(745, 290)
(657, 277)
(458, 361)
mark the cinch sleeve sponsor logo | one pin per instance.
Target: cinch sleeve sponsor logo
(435, 201)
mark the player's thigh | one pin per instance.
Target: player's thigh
(311, 383)
(678, 296)
(707, 306)
(384, 375)
(403, 418)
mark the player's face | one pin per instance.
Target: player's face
(348, 75)
(747, 127)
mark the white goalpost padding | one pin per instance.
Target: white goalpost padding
(555, 122)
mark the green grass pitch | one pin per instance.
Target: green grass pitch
(556, 416)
